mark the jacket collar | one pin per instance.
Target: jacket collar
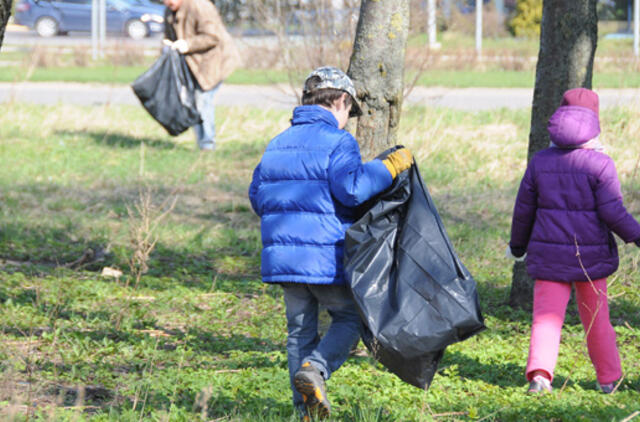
(182, 11)
(308, 114)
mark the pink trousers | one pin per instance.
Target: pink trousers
(550, 300)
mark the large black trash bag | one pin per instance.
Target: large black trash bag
(167, 91)
(413, 293)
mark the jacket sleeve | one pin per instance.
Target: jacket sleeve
(610, 206)
(205, 19)
(524, 213)
(352, 182)
(253, 191)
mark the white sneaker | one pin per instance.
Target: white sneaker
(539, 384)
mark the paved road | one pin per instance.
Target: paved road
(281, 96)
(19, 37)
(471, 99)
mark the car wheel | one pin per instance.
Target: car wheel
(136, 30)
(46, 27)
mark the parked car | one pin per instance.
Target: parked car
(468, 6)
(136, 19)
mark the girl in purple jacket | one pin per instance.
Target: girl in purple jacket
(568, 204)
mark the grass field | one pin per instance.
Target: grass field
(198, 336)
(111, 74)
(506, 63)
(429, 78)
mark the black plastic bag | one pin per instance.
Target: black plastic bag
(413, 293)
(167, 91)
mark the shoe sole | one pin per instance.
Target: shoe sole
(313, 398)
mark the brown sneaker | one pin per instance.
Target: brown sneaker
(310, 383)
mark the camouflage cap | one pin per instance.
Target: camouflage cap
(332, 77)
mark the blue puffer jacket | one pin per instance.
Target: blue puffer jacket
(304, 189)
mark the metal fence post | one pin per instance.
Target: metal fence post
(636, 28)
(98, 28)
(103, 25)
(479, 27)
(431, 24)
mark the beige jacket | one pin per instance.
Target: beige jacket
(212, 54)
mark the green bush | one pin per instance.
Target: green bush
(527, 18)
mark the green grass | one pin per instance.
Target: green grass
(506, 62)
(470, 78)
(200, 337)
(451, 40)
(123, 75)
(101, 74)
(427, 78)
(512, 79)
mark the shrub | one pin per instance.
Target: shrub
(493, 23)
(527, 18)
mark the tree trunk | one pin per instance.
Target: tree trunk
(568, 40)
(377, 70)
(5, 12)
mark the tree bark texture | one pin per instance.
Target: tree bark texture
(568, 40)
(377, 70)
(5, 12)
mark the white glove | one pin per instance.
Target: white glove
(509, 255)
(181, 45)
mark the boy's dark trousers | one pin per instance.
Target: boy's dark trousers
(304, 343)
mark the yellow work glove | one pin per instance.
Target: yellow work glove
(398, 161)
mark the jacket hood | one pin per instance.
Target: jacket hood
(572, 126)
(307, 114)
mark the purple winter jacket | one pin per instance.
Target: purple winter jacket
(571, 195)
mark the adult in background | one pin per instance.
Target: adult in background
(195, 29)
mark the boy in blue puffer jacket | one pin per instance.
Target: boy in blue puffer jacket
(305, 188)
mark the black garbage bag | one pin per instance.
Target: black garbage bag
(167, 91)
(413, 293)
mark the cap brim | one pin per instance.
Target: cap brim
(355, 111)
